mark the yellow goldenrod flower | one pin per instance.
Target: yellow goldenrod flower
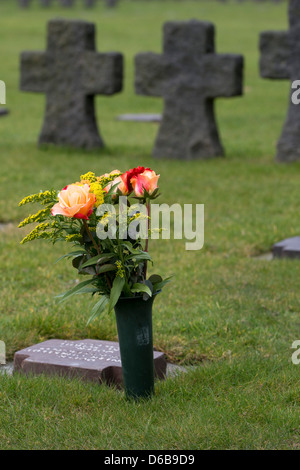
(89, 177)
(44, 197)
(96, 189)
(73, 237)
(38, 217)
(120, 269)
(140, 216)
(37, 232)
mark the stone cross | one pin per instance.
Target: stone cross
(189, 76)
(280, 59)
(70, 73)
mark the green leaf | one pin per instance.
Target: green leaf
(141, 256)
(98, 308)
(106, 267)
(141, 288)
(75, 290)
(150, 285)
(161, 284)
(88, 290)
(116, 291)
(73, 254)
(99, 259)
(112, 188)
(130, 248)
(155, 278)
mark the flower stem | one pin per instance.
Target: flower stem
(147, 239)
(91, 236)
(97, 248)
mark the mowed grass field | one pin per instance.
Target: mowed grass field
(229, 316)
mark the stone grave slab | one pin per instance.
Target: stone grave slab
(288, 248)
(71, 73)
(189, 76)
(280, 59)
(89, 359)
(140, 117)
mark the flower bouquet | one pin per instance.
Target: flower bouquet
(106, 219)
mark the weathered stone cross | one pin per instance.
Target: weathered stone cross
(189, 76)
(70, 72)
(280, 58)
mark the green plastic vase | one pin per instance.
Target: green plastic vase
(134, 324)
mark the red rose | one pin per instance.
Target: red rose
(128, 175)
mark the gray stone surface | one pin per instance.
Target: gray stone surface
(172, 369)
(24, 3)
(45, 3)
(6, 226)
(71, 73)
(189, 76)
(89, 359)
(89, 3)
(265, 257)
(280, 59)
(111, 3)
(140, 117)
(288, 248)
(66, 3)
(7, 369)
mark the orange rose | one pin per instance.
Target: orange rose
(75, 201)
(144, 181)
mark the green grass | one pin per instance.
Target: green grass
(230, 315)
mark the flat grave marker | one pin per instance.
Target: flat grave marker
(93, 360)
(143, 117)
(288, 248)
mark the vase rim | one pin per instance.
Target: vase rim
(140, 296)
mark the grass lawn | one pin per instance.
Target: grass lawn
(229, 315)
